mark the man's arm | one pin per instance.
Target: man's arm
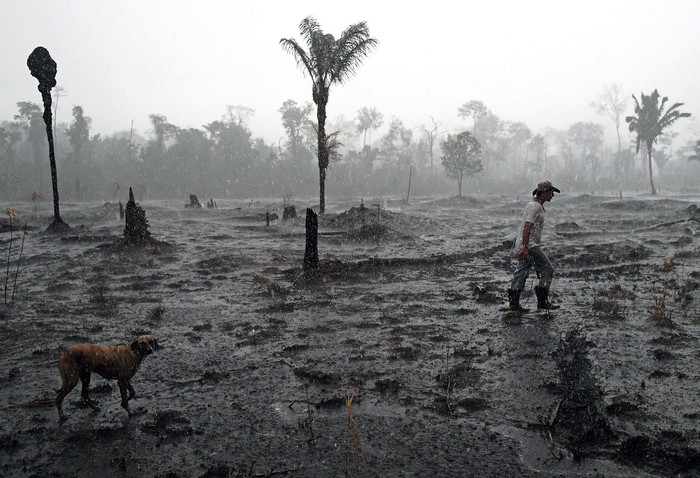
(522, 252)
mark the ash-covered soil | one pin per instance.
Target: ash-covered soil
(394, 360)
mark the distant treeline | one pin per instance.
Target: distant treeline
(223, 158)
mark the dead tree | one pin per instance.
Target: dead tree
(311, 253)
(43, 68)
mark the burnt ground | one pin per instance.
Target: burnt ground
(395, 360)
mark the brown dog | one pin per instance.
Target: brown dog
(115, 362)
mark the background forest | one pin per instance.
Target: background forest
(372, 156)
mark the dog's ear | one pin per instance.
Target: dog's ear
(135, 346)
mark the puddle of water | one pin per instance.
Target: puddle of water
(537, 455)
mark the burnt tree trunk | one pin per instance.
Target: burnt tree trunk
(43, 68)
(311, 253)
(136, 228)
(289, 212)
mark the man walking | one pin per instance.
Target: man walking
(530, 254)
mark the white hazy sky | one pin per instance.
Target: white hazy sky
(539, 62)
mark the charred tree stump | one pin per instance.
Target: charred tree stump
(136, 229)
(43, 68)
(311, 253)
(290, 212)
(121, 210)
(194, 202)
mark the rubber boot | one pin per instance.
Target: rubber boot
(543, 303)
(514, 306)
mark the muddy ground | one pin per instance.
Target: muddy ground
(396, 360)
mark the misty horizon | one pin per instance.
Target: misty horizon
(536, 71)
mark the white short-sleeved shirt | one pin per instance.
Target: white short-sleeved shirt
(534, 213)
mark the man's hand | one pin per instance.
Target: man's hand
(523, 253)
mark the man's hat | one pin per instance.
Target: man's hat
(544, 187)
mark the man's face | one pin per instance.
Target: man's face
(547, 196)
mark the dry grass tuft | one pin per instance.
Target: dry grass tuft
(156, 312)
(606, 307)
(677, 285)
(668, 265)
(658, 311)
(97, 288)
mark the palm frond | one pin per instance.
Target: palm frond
(300, 55)
(328, 60)
(350, 50)
(331, 141)
(309, 29)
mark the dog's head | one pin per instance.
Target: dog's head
(145, 345)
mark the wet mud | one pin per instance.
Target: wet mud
(393, 360)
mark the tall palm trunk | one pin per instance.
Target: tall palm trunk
(322, 190)
(651, 177)
(46, 97)
(322, 147)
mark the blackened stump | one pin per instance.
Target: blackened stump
(311, 253)
(194, 202)
(136, 229)
(290, 212)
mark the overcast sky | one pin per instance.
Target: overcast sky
(539, 62)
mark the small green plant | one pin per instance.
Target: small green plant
(12, 215)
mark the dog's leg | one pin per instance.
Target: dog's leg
(132, 393)
(69, 376)
(124, 388)
(85, 392)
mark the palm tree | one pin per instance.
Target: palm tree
(328, 61)
(650, 122)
